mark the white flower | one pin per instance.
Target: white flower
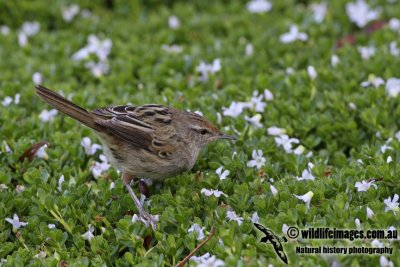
(232, 216)
(4, 30)
(234, 110)
(20, 188)
(258, 160)
(198, 230)
(99, 167)
(254, 218)
(274, 191)
(389, 159)
(89, 234)
(86, 13)
(385, 147)
(222, 174)
(69, 12)
(319, 11)
(41, 255)
(366, 51)
(259, 6)
(135, 218)
(335, 60)
(393, 49)
(256, 102)
(370, 213)
(306, 175)
(276, 131)
(207, 261)
(97, 69)
(357, 222)
(306, 198)
(22, 39)
(376, 243)
(397, 135)
(293, 35)
(312, 73)
(268, 95)
(173, 22)
(90, 149)
(112, 185)
(16, 223)
(172, 49)
(393, 87)
(47, 115)
(210, 192)
(3, 187)
(254, 121)
(384, 262)
(219, 118)
(299, 150)
(206, 69)
(30, 28)
(360, 13)
(7, 101)
(41, 152)
(364, 185)
(249, 50)
(16, 98)
(60, 181)
(51, 225)
(7, 147)
(101, 48)
(392, 204)
(286, 142)
(37, 78)
(374, 81)
(289, 71)
(394, 24)
(285, 228)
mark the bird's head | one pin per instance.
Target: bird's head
(203, 131)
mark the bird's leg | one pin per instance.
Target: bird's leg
(148, 218)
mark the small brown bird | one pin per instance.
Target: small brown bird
(149, 141)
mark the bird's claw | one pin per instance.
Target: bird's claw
(149, 219)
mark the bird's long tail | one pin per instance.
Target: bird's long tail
(67, 107)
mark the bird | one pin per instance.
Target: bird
(150, 141)
(275, 241)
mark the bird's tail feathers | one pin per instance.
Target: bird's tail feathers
(67, 107)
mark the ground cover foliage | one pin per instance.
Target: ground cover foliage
(315, 111)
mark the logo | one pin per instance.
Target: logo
(274, 240)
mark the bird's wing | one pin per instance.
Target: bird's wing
(279, 251)
(266, 231)
(260, 227)
(147, 127)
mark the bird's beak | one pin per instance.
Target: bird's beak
(225, 136)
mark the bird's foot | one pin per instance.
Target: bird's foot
(149, 219)
(145, 217)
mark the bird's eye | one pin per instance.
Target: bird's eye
(204, 132)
